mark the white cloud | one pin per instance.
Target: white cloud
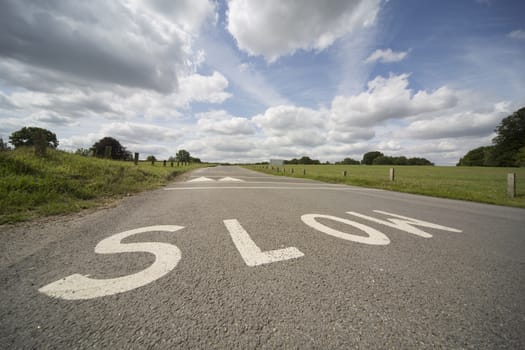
(517, 34)
(221, 122)
(462, 124)
(274, 28)
(386, 56)
(388, 98)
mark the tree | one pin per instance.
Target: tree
(183, 156)
(151, 159)
(507, 148)
(117, 151)
(383, 160)
(3, 145)
(30, 136)
(350, 161)
(368, 158)
(476, 157)
(510, 138)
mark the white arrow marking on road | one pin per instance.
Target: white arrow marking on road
(404, 223)
(375, 237)
(230, 179)
(251, 253)
(202, 179)
(77, 286)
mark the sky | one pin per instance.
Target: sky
(246, 81)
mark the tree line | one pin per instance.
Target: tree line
(106, 147)
(369, 158)
(508, 147)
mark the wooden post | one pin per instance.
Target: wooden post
(172, 164)
(152, 161)
(164, 163)
(344, 172)
(511, 185)
(136, 159)
(392, 174)
(304, 171)
(292, 170)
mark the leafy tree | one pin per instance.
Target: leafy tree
(476, 157)
(117, 150)
(151, 158)
(419, 161)
(520, 157)
(510, 138)
(30, 136)
(350, 161)
(302, 160)
(383, 160)
(183, 156)
(368, 158)
(195, 160)
(3, 145)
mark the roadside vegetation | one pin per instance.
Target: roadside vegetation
(60, 182)
(479, 184)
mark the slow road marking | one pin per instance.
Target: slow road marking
(251, 253)
(77, 286)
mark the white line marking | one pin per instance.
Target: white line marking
(251, 253)
(230, 179)
(375, 237)
(202, 179)
(76, 287)
(270, 188)
(404, 223)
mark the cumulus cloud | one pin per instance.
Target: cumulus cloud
(221, 122)
(517, 34)
(386, 56)
(388, 98)
(462, 124)
(275, 28)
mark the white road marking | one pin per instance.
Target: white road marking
(201, 179)
(404, 223)
(271, 188)
(76, 287)
(251, 253)
(375, 237)
(230, 179)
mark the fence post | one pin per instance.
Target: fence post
(344, 172)
(136, 159)
(164, 163)
(171, 164)
(392, 174)
(511, 185)
(304, 171)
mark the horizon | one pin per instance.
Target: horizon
(248, 81)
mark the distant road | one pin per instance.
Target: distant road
(231, 258)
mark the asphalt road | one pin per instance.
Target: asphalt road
(266, 262)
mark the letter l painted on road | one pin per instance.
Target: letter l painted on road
(251, 253)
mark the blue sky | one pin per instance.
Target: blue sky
(244, 81)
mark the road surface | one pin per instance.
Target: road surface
(231, 258)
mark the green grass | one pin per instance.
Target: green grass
(62, 182)
(478, 184)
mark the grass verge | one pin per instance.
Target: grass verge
(62, 182)
(478, 184)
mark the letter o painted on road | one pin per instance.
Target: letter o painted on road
(375, 237)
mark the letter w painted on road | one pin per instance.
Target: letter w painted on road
(404, 223)
(251, 253)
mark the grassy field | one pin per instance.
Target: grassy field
(62, 182)
(479, 184)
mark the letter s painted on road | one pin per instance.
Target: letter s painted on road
(76, 286)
